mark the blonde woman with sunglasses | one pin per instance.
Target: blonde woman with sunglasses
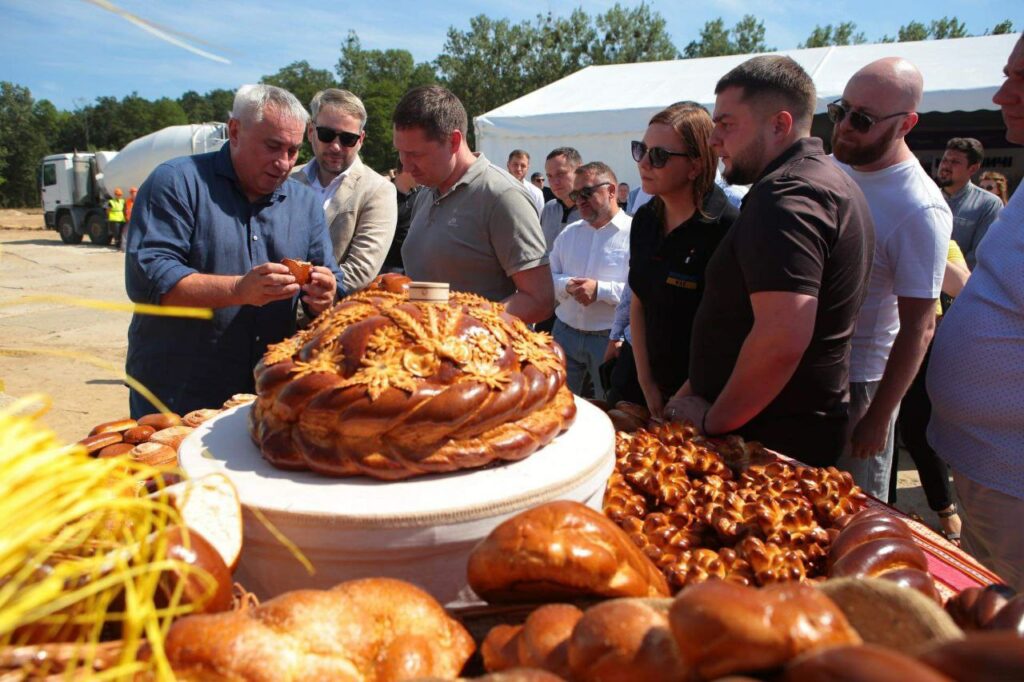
(672, 238)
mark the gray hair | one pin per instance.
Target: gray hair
(251, 101)
(342, 100)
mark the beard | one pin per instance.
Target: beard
(944, 182)
(747, 163)
(853, 154)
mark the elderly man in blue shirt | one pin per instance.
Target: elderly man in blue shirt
(210, 231)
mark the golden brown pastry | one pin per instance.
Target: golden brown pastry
(873, 544)
(369, 630)
(540, 642)
(989, 656)
(721, 628)
(561, 550)
(866, 663)
(624, 639)
(138, 434)
(119, 425)
(172, 437)
(115, 450)
(160, 420)
(301, 270)
(993, 607)
(384, 387)
(154, 454)
(197, 417)
(93, 444)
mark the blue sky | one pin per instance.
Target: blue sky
(71, 51)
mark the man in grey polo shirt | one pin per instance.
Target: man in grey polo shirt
(476, 228)
(973, 208)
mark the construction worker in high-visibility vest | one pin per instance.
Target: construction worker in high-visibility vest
(115, 215)
(128, 203)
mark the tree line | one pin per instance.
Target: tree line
(491, 62)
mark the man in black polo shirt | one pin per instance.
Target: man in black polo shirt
(770, 352)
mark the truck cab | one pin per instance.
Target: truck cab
(72, 203)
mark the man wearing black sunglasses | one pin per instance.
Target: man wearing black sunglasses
(361, 205)
(769, 354)
(912, 229)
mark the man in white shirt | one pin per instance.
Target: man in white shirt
(590, 266)
(360, 204)
(912, 232)
(518, 165)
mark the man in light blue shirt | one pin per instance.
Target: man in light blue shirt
(973, 208)
(210, 231)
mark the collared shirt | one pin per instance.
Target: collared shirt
(191, 216)
(554, 218)
(600, 254)
(805, 228)
(535, 194)
(325, 193)
(621, 328)
(666, 273)
(974, 209)
(476, 235)
(976, 371)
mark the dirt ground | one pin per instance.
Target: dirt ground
(21, 219)
(76, 355)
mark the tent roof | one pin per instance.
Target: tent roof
(960, 74)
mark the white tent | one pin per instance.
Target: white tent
(599, 109)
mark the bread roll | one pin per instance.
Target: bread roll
(138, 434)
(172, 437)
(118, 425)
(197, 417)
(561, 550)
(540, 642)
(160, 420)
(866, 663)
(115, 450)
(93, 444)
(154, 454)
(625, 639)
(873, 544)
(192, 549)
(723, 628)
(371, 629)
(210, 506)
(989, 656)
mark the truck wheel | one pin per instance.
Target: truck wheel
(66, 228)
(98, 232)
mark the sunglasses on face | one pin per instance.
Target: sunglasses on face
(586, 192)
(859, 121)
(658, 156)
(327, 135)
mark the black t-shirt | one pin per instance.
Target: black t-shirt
(666, 274)
(805, 227)
(405, 204)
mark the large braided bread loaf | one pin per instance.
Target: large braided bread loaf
(388, 388)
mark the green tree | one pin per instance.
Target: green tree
(630, 35)
(496, 61)
(302, 80)
(948, 27)
(379, 78)
(1005, 26)
(746, 37)
(215, 105)
(913, 31)
(842, 34)
(714, 41)
(23, 143)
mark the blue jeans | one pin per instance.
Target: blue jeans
(584, 353)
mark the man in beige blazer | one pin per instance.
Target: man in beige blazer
(360, 204)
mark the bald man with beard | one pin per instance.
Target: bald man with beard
(912, 231)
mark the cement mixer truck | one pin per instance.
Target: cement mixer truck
(75, 187)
